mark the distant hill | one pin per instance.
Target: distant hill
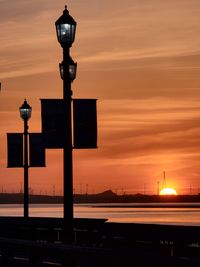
(107, 194)
(104, 197)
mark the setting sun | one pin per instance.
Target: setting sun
(168, 191)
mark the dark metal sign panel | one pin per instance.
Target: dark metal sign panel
(52, 122)
(37, 150)
(85, 123)
(15, 150)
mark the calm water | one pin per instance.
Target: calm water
(136, 213)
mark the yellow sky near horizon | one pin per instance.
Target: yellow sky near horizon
(140, 59)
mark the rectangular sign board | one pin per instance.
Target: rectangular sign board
(85, 123)
(53, 122)
(15, 150)
(36, 150)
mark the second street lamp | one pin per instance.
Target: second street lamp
(66, 28)
(25, 113)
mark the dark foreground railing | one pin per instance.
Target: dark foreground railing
(38, 242)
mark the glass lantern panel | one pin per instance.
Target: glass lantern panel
(72, 71)
(25, 113)
(61, 70)
(66, 33)
(73, 28)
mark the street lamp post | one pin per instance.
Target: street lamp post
(25, 113)
(66, 28)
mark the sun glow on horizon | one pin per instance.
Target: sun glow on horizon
(168, 191)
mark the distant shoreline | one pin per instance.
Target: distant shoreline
(108, 198)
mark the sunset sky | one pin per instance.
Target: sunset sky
(140, 59)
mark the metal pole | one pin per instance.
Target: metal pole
(26, 168)
(67, 153)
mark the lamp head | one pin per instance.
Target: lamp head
(65, 28)
(25, 111)
(70, 66)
